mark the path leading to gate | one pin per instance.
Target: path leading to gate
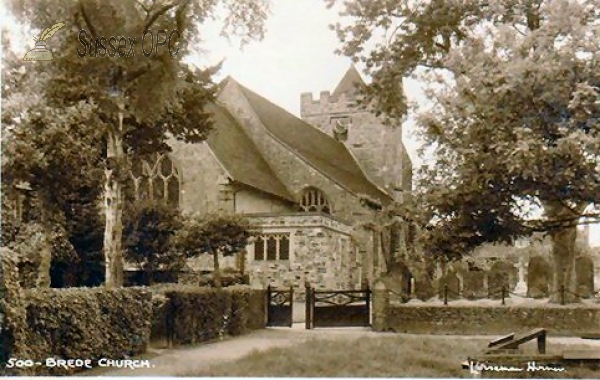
(188, 361)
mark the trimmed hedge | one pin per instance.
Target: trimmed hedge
(83, 323)
(193, 314)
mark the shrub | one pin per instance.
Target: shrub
(83, 323)
(213, 234)
(195, 314)
(148, 229)
(38, 246)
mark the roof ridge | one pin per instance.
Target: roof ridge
(235, 124)
(246, 91)
(300, 119)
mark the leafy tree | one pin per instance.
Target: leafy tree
(148, 229)
(132, 102)
(515, 87)
(213, 234)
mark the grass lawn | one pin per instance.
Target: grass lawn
(381, 356)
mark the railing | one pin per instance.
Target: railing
(501, 294)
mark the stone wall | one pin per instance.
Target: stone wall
(322, 252)
(205, 186)
(251, 201)
(203, 179)
(568, 320)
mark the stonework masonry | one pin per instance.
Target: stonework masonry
(199, 171)
(206, 187)
(378, 148)
(322, 253)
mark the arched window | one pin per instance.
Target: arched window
(155, 178)
(313, 200)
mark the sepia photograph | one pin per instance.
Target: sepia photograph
(300, 188)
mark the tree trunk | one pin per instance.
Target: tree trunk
(43, 278)
(216, 270)
(113, 208)
(564, 287)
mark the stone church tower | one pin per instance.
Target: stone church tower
(378, 148)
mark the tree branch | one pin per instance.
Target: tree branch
(87, 19)
(161, 12)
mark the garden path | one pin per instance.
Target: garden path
(186, 360)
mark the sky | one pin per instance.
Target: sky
(297, 55)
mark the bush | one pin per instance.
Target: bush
(148, 228)
(39, 246)
(194, 314)
(207, 280)
(83, 323)
(213, 234)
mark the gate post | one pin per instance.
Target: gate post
(368, 303)
(308, 306)
(291, 305)
(268, 305)
(381, 302)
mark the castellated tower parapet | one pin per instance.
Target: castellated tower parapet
(378, 148)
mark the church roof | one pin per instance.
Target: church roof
(240, 157)
(321, 151)
(349, 82)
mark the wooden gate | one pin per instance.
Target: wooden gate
(280, 306)
(338, 308)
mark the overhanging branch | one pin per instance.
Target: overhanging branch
(87, 19)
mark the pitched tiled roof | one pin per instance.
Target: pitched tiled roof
(349, 82)
(240, 157)
(321, 151)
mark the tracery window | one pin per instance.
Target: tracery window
(272, 247)
(155, 178)
(313, 200)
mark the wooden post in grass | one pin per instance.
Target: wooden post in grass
(381, 302)
(503, 295)
(308, 306)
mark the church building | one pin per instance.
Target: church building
(309, 185)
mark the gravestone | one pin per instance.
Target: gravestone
(499, 279)
(423, 288)
(502, 274)
(451, 281)
(399, 282)
(539, 275)
(584, 274)
(474, 285)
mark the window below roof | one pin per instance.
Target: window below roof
(272, 247)
(313, 200)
